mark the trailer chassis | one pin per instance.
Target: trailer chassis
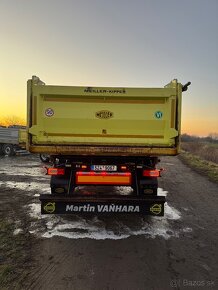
(69, 172)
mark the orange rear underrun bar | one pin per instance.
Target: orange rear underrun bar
(103, 178)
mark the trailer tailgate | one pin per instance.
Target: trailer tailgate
(71, 116)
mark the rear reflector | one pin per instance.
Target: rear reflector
(84, 166)
(103, 178)
(55, 171)
(151, 173)
(123, 167)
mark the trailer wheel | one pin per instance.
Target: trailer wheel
(44, 158)
(8, 149)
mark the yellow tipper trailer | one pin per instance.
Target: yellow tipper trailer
(103, 136)
(102, 120)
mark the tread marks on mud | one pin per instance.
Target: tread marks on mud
(171, 260)
(44, 277)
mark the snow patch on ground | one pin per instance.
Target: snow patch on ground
(101, 228)
(171, 213)
(161, 192)
(17, 232)
(187, 230)
(27, 186)
(32, 169)
(77, 227)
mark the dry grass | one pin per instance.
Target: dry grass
(204, 150)
(13, 255)
(202, 157)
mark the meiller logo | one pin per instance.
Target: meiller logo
(104, 114)
(105, 91)
(102, 208)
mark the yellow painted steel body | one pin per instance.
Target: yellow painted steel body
(22, 137)
(103, 121)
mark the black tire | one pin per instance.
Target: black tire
(1, 149)
(8, 149)
(148, 186)
(44, 158)
(59, 184)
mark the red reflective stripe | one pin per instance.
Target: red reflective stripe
(55, 171)
(104, 183)
(151, 173)
(103, 178)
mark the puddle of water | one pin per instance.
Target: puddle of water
(98, 228)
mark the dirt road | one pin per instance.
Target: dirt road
(178, 251)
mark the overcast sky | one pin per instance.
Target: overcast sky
(112, 43)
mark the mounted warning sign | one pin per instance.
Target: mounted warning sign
(49, 112)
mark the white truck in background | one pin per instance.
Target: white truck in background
(12, 139)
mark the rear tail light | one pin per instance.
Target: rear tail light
(55, 171)
(151, 173)
(83, 166)
(123, 167)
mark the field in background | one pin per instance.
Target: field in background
(205, 150)
(201, 156)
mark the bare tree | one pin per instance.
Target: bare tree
(213, 136)
(12, 120)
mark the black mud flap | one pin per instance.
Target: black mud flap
(65, 204)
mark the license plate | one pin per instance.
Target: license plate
(104, 167)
